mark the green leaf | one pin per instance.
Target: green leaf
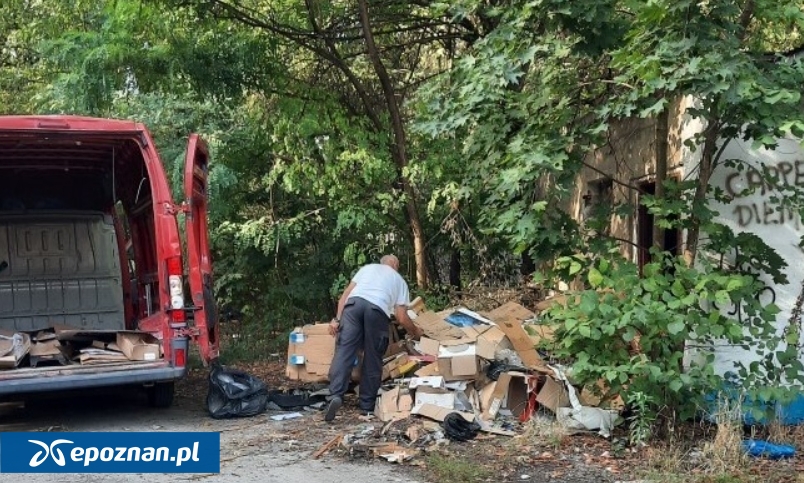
(722, 298)
(595, 277)
(585, 331)
(675, 327)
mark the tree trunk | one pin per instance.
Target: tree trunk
(705, 169)
(398, 147)
(455, 270)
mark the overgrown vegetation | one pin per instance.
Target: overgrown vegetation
(455, 135)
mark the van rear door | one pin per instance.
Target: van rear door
(196, 171)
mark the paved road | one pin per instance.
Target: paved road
(253, 449)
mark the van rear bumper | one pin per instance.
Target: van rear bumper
(25, 381)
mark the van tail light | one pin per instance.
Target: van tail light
(179, 345)
(180, 357)
(176, 285)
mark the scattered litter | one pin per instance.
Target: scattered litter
(469, 373)
(283, 417)
(326, 447)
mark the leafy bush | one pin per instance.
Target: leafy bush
(655, 333)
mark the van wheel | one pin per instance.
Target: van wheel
(160, 395)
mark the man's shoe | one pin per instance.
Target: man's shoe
(332, 409)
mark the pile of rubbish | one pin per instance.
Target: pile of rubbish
(478, 370)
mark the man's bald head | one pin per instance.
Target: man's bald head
(391, 261)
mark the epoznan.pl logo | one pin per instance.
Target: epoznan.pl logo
(190, 452)
(58, 456)
(134, 453)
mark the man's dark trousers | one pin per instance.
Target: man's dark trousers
(365, 325)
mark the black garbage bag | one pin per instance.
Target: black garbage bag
(293, 400)
(495, 368)
(459, 429)
(234, 393)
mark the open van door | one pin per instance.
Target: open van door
(196, 171)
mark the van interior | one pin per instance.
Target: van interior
(77, 240)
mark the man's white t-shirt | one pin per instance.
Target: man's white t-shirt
(382, 286)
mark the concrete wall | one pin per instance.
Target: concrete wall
(627, 159)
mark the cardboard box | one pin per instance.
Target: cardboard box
(510, 392)
(432, 390)
(509, 318)
(457, 358)
(139, 346)
(393, 404)
(553, 395)
(310, 352)
(489, 339)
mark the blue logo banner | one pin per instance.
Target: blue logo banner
(191, 452)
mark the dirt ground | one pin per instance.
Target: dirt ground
(252, 449)
(261, 449)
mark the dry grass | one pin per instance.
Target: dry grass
(719, 460)
(546, 432)
(725, 454)
(781, 434)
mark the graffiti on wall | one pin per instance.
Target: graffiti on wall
(765, 295)
(761, 210)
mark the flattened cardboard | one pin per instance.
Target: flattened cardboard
(428, 370)
(434, 327)
(429, 346)
(594, 397)
(92, 356)
(112, 346)
(437, 413)
(393, 404)
(139, 346)
(553, 395)
(509, 319)
(45, 349)
(392, 366)
(541, 333)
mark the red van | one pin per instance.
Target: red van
(90, 240)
